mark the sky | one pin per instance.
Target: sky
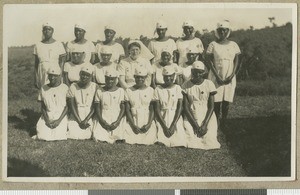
(22, 24)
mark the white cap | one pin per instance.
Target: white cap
(140, 72)
(168, 70)
(161, 25)
(48, 24)
(188, 23)
(223, 24)
(111, 72)
(105, 50)
(167, 50)
(54, 69)
(81, 26)
(198, 65)
(88, 68)
(110, 27)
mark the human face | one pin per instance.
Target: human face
(110, 81)
(165, 57)
(169, 79)
(54, 79)
(85, 77)
(222, 32)
(139, 80)
(161, 32)
(105, 57)
(48, 32)
(192, 57)
(79, 33)
(188, 31)
(197, 74)
(109, 35)
(77, 57)
(134, 52)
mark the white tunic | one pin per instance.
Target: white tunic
(198, 96)
(100, 72)
(127, 68)
(224, 55)
(84, 98)
(186, 71)
(88, 47)
(139, 100)
(184, 46)
(73, 70)
(156, 48)
(168, 99)
(54, 99)
(48, 55)
(157, 69)
(110, 102)
(117, 51)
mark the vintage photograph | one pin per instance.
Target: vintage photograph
(148, 92)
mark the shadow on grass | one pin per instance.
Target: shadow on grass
(21, 168)
(26, 123)
(262, 145)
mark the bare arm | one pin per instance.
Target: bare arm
(66, 78)
(115, 124)
(153, 84)
(158, 115)
(36, 67)
(123, 82)
(130, 119)
(210, 62)
(188, 113)
(44, 113)
(72, 107)
(98, 110)
(146, 127)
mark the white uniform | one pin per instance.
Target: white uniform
(83, 100)
(54, 99)
(110, 102)
(139, 100)
(100, 72)
(48, 55)
(127, 68)
(157, 69)
(224, 55)
(186, 71)
(168, 99)
(184, 46)
(88, 48)
(156, 48)
(73, 70)
(116, 49)
(198, 96)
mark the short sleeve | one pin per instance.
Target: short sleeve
(121, 50)
(151, 92)
(126, 95)
(98, 96)
(150, 47)
(97, 48)
(211, 87)
(61, 49)
(121, 68)
(236, 48)
(92, 47)
(156, 97)
(66, 67)
(173, 45)
(179, 92)
(200, 46)
(122, 94)
(35, 50)
(68, 49)
(149, 67)
(210, 48)
(177, 69)
(71, 91)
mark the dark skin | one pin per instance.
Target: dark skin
(140, 84)
(85, 80)
(110, 86)
(55, 81)
(191, 57)
(105, 62)
(168, 131)
(199, 130)
(77, 58)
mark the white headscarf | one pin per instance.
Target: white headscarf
(223, 24)
(145, 52)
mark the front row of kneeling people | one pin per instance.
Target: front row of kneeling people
(139, 114)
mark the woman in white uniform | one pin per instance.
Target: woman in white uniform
(110, 110)
(223, 56)
(157, 45)
(80, 43)
(168, 107)
(141, 128)
(191, 55)
(48, 52)
(103, 66)
(116, 48)
(80, 100)
(200, 121)
(187, 42)
(53, 123)
(127, 66)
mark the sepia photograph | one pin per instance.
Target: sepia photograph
(149, 92)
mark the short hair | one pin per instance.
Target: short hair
(134, 44)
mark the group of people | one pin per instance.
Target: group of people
(159, 93)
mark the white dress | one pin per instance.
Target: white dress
(127, 68)
(100, 72)
(88, 47)
(54, 99)
(48, 55)
(117, 51)
(110, 103)
(184, 46)
(139, 100)
(73, 70)
(156, 48)
(157, 69)
(168, 99)
(186, 71)
(198, 96)
(224, 55)
(84, 99)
